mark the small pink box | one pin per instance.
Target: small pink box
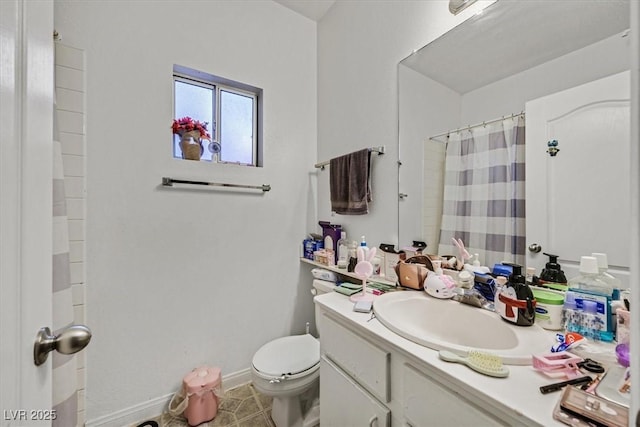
(202, 387)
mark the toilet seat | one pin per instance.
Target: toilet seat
(287, 357)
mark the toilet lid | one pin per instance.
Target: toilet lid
(287, 355)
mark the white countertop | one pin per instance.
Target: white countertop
(518, 394)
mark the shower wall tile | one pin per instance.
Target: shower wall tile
(81, 374)
(73, 165)
(74, 188)
(70, 121)
(79, 316)
(69, 57)
(76, 229)
(69, 100)
(76, 251)
(81, 359)
(77, 293)
(81, 405)
(75, 208)
(69, 78)
(76, 272)
(72, 143)
(70, 112)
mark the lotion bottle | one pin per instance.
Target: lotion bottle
(365, 248)
(343, 250)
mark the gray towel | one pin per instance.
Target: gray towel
(349, 183)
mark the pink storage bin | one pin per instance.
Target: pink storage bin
(202, 387)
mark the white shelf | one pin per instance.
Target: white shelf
(344, 272)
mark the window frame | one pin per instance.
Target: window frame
(218, 84)
(254, 111)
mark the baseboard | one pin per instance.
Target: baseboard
(153, 408)
(236, 379)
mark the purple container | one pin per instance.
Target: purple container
(622, 353)
(334, 231)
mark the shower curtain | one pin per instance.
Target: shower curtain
(64, 375)
(484, 193)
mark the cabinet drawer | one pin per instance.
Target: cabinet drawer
(362, 360)
(427, 402)
(345, 403)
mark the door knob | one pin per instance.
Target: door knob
(535, 248)
(69, 340)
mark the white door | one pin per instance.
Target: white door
(26, 102)
(578, 200)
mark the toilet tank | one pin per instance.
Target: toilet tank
(321, 287)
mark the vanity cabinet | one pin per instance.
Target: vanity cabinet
(425, 401)
(366, 381)
(347, 402)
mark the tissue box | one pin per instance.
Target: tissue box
(389, 260)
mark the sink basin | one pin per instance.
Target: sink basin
(443, 324)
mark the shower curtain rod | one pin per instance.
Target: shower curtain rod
(435, 138)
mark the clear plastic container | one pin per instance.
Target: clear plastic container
(603, 266)
(593, 297)
(590, 278)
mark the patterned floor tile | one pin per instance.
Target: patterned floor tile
(242, 406)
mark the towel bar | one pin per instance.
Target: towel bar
(168, 182)
(380, 150)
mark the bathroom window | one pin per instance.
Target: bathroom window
(232, 111)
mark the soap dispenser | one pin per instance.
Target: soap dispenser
(515, 302)
(552, 275)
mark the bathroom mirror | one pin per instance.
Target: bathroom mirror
(489, 67)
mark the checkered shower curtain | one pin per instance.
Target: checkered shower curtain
(484, 193)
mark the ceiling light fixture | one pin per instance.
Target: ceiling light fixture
(457, 6)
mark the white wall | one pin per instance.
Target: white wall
(176, 278)
(359, 46)
(425, 107)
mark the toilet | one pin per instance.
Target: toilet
(288, 370)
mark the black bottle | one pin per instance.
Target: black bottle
(552, 275)
(524, 294)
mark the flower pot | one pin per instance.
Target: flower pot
(191, 145)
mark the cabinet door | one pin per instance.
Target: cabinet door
(427, 402)
(363, 361)
(345, 403)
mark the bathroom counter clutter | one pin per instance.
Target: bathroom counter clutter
(409, 383)
(344, 272)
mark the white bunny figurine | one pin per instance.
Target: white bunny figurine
(462, 253)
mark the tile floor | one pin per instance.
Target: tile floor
(242, 406)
